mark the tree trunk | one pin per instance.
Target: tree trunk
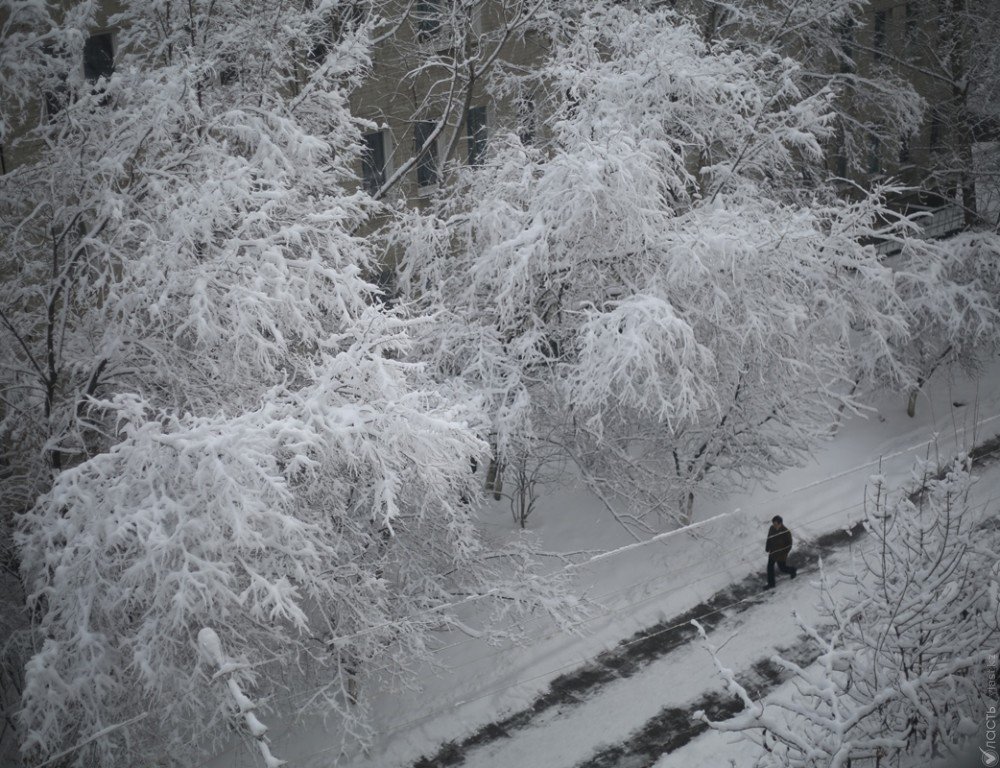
(494, 479)
(687, 508)
(957, 25)
(967, 180)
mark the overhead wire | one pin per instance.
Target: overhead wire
(656, 577)
(870, 464)
(635, 545)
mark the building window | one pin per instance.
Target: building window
(840, 157)
(945, 21)
(427, 163)
(54, 101)
(336, 26)
(318, 51)
(428, 16)
(98, 57)
(388, 288)
(845, 32)
(56, 93)
(229, 75)
(347, 18)
(526, 121)
(874, 154)
(842, 165)
(934, 143)
(910, 28)
(475, 134)
(373, 164)
(879, 33)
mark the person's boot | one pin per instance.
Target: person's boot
(769, 586)
(794, 572)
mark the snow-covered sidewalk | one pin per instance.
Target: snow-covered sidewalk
(714, 749)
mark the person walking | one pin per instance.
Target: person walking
(779, 544)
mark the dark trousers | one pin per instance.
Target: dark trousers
(782, 566)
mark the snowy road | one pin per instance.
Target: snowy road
(634, 703)
(631, 707)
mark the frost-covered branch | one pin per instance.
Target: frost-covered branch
(902, 642)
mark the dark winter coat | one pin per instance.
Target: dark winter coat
(779, 543)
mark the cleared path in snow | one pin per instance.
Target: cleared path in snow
(597, 705)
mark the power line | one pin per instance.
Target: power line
(593, 617)
(631, 586)
(657, 577)
(643, 638)
(662, 575)
(93, 737)
(633, 546)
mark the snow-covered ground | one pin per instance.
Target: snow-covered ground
(476, 683)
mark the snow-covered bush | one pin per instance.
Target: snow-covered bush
(902, 642)
(207, 420)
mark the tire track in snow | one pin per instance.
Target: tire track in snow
(633, 654)
(673, 727)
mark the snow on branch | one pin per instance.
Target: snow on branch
(210, 647)
(902, 644)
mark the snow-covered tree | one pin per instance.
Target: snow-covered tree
(657, 281)
(207, 419)
(872, 59)
(437, 59)
(950, 48)
(902, 642)
(874, 108)
(954, 304)
(23, 25)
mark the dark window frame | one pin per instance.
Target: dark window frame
(428, 17)
(374, 161)
(880, 33)
(845, 33)
(874, 154)
(476, 134)
(935, 134)
(428, 173)
(904, 148)
(229, 74)
(527, 121)
(911, 22)
(99, 56)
